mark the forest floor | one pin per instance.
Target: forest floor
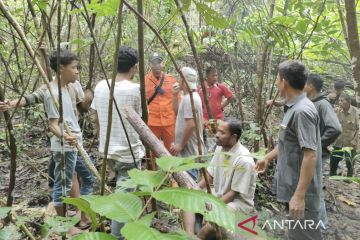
(31, 196)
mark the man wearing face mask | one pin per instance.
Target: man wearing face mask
(159, 96)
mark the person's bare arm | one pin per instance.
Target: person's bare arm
(55, 129)
(297, 202)
(229, 196)
(175, 97)
(84, 106)
(226, 102)
(202, 183)
(188, 130)
(8, 105)
(261, 165)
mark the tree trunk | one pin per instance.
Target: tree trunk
(354, 46)
(182, 178)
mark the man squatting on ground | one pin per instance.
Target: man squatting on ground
(233, 176)
(299, 180)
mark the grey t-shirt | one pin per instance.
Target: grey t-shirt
(68, 114)
(299, 129)
(185, 112)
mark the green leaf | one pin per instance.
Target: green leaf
(10, 232)
(4, 211)
(148, 178)
(211, 16)
(186, 5)
(122, 207)
(189, 166)
(61, 225)
(146, 220)
(213, 209)
(94, 236)
(138, 231)
(353, 179)
(169, 163)
(84, 206)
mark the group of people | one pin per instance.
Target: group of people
(308, 128)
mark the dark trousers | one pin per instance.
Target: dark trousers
(337, 155)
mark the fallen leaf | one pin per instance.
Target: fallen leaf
(347, 201)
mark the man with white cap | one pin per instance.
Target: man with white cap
(185, 132)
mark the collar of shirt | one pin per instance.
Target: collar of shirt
(289, 105)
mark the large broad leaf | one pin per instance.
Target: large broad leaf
(139, 231)
(122, 207)
(146, 220)
(84, 206)
(95, 236)
(10, 232)
(211, 16)
(169, 163)
(61, 225)
(151, 179)
(4, 211)
(213, 209)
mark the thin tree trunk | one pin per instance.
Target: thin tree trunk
(260, 70)
(354, 46)
(13, 152)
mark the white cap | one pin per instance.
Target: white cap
(190, 76)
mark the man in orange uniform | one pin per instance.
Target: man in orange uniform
(159, 95)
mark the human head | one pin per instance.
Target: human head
(339, 87)
(344, 101)
(313, 84)
(211, 76)
(228, 133)
(190, 76)
(127, 60)
(292, 75)
(156, 64)
(69, 64)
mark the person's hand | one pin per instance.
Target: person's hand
(269, 102)
(261, 166)
(175, 88)
(70, 139)
(176, 149)
(297, 207)
(5, 106)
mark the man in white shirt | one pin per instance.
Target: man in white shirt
(232, 175)
(126, 94)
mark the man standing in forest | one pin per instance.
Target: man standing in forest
(186, 143)
(216, 92)
(159, 95)
(298, 153)
(121, 157)
(349, 120)
(330, 127)
(68, 74)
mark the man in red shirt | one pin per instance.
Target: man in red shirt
(158, 86)
(215, 92)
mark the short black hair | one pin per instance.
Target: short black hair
(294, 72)
(66, 58)
(339, 84)
(127, 58)
(210, 70)
(315, 80)
(234, 127)
(346, 97)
